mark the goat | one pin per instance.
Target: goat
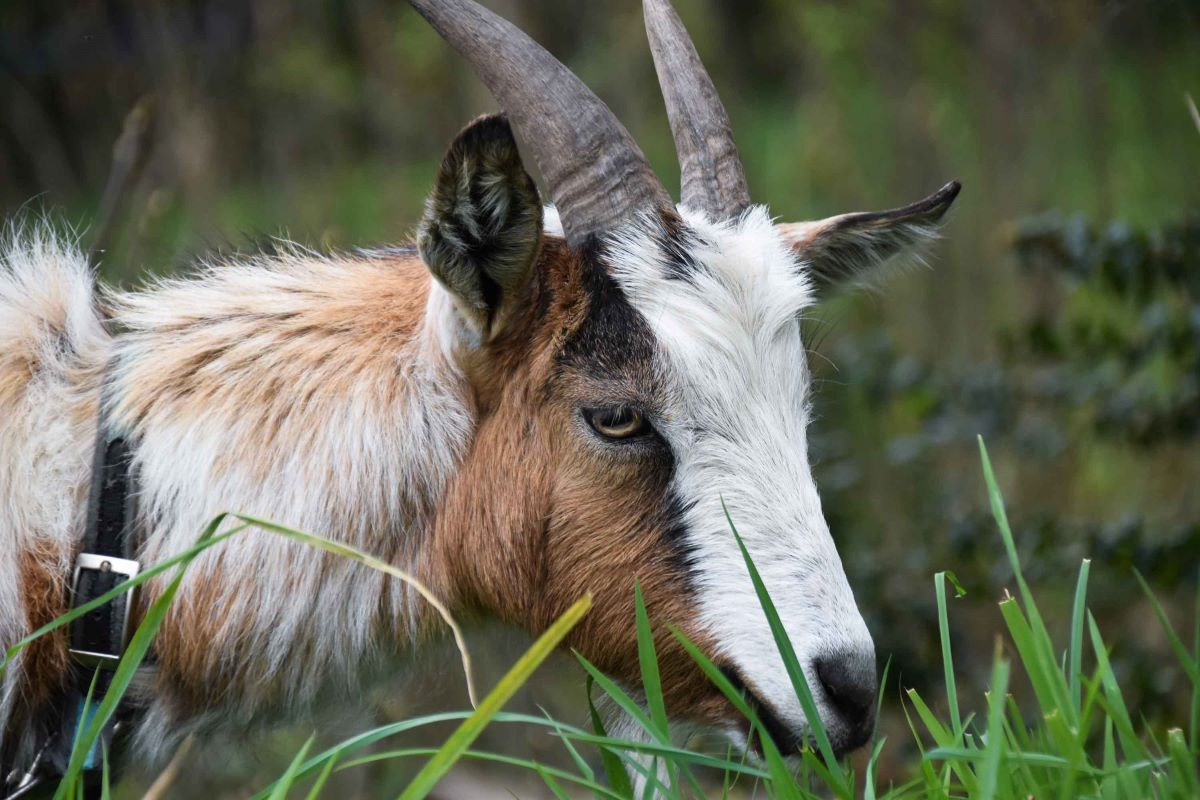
(528, 403)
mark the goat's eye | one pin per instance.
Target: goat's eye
(617, 422)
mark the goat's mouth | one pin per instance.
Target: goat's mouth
(786, 741)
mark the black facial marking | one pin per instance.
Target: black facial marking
(684, 555)
(614, 340)
(676, 243)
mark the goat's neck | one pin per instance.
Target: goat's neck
(317, 393)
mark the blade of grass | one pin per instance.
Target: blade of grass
(322, 778)
(289, 777)
(1054, 683)
(549, 780)
(811, 765)
(207, 539)
(472, 726)
(887, 668)
(1091, 691)
(648, 660)
(579, 761)
(1065, 738)
(1194, 716)
(367, 738)
(1075, 651)
(869, 777)
(1031, 656)
(781, 779)
(944, 738)
(88, 710)
(621, 698)
(135, 652)
(652, 683)
(792, 665)
(972, 755)
(496, 758)
(939, 583)
(667, 752)
(1113, 701)
(1109, 758)
(1190, 666)
(1018, 724)
(1183, 764)
(346, 551)
(1013, 744)
(614, 770)
(105, 777)
(933, 787)
(989, 770)
(653, 781)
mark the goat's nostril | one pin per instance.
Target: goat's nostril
(849, 682)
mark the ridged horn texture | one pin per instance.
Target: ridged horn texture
(597, 175)
(711, 175)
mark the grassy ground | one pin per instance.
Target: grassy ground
(1073, 735)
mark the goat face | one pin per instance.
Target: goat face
(629, 389)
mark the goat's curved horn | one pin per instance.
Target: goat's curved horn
(711, 174)
(596, 173)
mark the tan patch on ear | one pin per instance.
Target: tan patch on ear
(800, 235)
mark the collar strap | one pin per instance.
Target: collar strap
(107, 558)
(108, 555)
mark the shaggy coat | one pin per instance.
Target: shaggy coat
(515, 419)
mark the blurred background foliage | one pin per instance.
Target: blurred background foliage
(1061, 318)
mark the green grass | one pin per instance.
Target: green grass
(1075, 737)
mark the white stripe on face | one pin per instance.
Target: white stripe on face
(724, 304)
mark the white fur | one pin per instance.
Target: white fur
(551, 222)
(363, 468)
(731, 355)
(366, 471)
(48, 327)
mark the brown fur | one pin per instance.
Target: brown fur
(45, 660)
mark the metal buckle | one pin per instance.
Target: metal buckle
(121, 566)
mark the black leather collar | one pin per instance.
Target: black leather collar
(108, 556)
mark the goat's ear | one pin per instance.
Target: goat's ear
(849, 249)
(479, 234)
